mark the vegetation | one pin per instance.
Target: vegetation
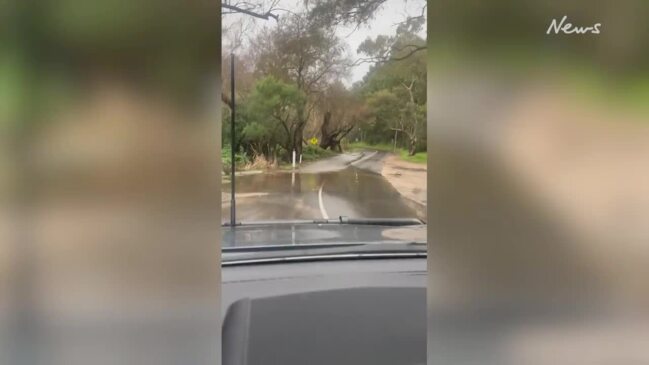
(377, 147)
(419, 157)
(311, 153)
(240, 159)
(290, 88)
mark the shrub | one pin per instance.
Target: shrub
(313, 152)
(240, 158)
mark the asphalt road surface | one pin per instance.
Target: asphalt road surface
(349, 184)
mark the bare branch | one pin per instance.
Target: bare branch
(414, 50)
(237, 9)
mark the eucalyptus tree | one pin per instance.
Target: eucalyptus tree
(300, 52)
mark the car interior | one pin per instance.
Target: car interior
(367, 311)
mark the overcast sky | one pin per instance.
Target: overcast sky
(384, 23)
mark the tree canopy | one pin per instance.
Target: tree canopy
(294, 86)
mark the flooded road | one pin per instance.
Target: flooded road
(345, 185)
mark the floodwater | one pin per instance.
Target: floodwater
(351, 192)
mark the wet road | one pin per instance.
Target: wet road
(345, 185)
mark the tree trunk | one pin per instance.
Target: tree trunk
(412, 148)
(331, 138)
(297, 141)
(326, 140)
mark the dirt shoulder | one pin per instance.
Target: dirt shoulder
(408, 178)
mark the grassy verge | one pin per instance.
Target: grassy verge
(365, 146)
(242, 161)
(309, 153)
(313, 153)
(419, 157)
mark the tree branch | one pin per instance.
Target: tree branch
(237, 9)
(414, 50)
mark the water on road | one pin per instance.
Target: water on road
(346, 185)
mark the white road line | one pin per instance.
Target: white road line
(363, 158)
(322, 208)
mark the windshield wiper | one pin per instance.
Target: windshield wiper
(392, 222)
(320, 252)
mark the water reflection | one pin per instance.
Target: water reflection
(351, 192)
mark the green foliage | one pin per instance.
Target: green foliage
(395, 91)
(240, 158)
(264, 116)
(344, 12)
(385, 147)
(274, 100)
(301, 52)
(384, 106)
(304, 62)
(419, 157)
(312, 152)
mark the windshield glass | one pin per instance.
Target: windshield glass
(317, 146)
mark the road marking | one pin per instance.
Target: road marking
(364, 158)
(322, 208)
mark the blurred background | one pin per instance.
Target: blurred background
(538, 183)
(109, 181)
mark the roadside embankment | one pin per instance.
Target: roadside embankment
(408, 178)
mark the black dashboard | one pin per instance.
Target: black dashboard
(325, 312)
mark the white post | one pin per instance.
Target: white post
(293, 158)
(300, 158)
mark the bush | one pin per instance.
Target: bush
(385, 147)
(311, 152)
(240, 158)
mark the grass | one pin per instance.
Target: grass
(309, 153)
(419, 157)
(312, 153)
(242, 161)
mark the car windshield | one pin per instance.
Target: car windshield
(338, 204)
(324, 151)
(270, 240)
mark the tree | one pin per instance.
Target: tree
(341, 111)
(384, 108)
(411, 120)
(271, 116)
(301, 53)
(344, 12)
(396, 90)
(259, 9)
(331, 13)
(391, 115)
(404, 44)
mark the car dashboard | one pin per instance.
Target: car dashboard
(325, 312)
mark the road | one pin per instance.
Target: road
(348, 184)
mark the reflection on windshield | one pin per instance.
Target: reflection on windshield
(309, 234)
